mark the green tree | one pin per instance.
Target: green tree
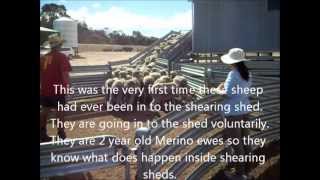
(51, 12)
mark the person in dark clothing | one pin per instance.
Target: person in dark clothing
(54, 70)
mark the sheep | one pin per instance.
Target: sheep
(153, 58)
(137, 74)
(147, 83)
(155, 75)
(121, 68)
(161, 99)
(163, 79)
(131, 98)
(116, 74)
(122, 74)
(163, 72)
(151, 65)
(154, 70)
(144, 69)
(148, 80)
(129, 71)
(108, 84)
(181, 82)
(173, 74)
(145, 73)
(128, 77)
(119, 97)
(162, 82)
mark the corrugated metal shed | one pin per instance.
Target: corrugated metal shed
(219, 25)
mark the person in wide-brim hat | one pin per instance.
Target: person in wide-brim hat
(234, 55)
(238, 77)
(54, 41)
(54, 70)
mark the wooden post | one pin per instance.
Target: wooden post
(142, 133)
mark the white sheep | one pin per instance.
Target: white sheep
(163, 79)
(123, 74)
(155, 75)
(181, 82)
(108, 84)
(173, 74)
(147, 83)
(163, 72)
(166, 97)
(131, 98)
(119, 97)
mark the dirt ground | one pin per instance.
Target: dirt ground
(100, 54)
(88, 58)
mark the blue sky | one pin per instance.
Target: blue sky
(151, 17)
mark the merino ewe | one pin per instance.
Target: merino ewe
(117, 98)
(147, 83)
(131, 98)
(129, 71)
(163, 72)
(147, 80)
(108, 84)
(151, 65)
(173, 74)
(137, 74)
(155, 75)
(128, 77)
(153, 58)
(116, 74)
(122, 74)
(145, 73)
(163, 79)
(155, 70)
(181, 82)
(161, 99)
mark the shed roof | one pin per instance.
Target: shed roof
(47, 29)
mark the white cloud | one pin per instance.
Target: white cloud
(120, 19)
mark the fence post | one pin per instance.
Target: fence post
(142, 166)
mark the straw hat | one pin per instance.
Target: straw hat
(234, 55)
(54, 40)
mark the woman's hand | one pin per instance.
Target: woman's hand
(219, 91)
(221, 86)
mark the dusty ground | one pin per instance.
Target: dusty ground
(107, 47)
(99, 54)
(100, 58)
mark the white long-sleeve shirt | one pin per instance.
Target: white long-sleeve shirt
(234, 80)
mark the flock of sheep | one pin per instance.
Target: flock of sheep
(163, 46)
(147, 78)
(142, 74)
